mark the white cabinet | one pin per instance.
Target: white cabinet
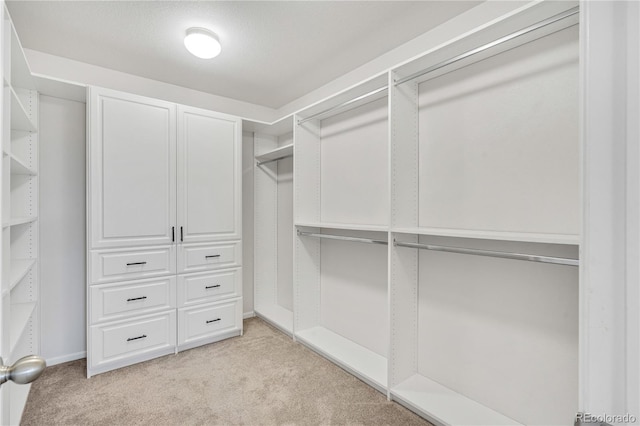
(133, 170)
(208, 169)
(164, 199)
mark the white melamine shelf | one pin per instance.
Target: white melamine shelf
(358, 360)
(276, 154)
(18, 167)
(493, 235)
(19, 118)
(442, 405)
(19, 269)
(346, 226)
(20, 72)
(277, 316)
(19, 221)
(20, 314)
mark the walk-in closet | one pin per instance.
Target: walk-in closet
(398, 212)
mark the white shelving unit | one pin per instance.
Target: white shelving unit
(476, 160)
(20, 283)
(273, 222)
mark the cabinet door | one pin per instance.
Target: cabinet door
(132, 151)
(209, 175)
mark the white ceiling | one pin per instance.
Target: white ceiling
(272, 51)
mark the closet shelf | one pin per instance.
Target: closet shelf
(20, 72)
(19, 221)
(276, 154)
(277, 316)
(19, 269)
(524, 237)
(445, 406)
(20, 315)
(346, 226)
(358, 360)
(18, 167)
(19, 117)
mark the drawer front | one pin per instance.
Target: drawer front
(203, 257)
(115, 342)
(207, 321)
(111, 302)
(209, 287)
(120, 265)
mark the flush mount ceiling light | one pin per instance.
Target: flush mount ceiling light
(202, 43)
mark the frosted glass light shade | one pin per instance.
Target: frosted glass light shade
(202, 43)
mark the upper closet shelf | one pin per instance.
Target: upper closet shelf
(524, 237)
(19, 118)
(18, 167)
(346, 226)
(275, 155)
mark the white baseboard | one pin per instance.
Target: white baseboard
(248, 315)
(66, 358)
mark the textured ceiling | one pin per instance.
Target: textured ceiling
(273, 51)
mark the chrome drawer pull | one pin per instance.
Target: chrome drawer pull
(136, 263)
(210, 321)
(136, 298)
(212, 286)
(136, 338)
(212, 255)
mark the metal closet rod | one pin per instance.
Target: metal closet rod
(494, 43)
(343, 238)
(491, 253)
(260, 163)
(349, 102)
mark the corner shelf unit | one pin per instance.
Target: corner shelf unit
(19, 194)
(273, 222)
(462, 168)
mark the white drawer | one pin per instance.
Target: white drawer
(111, 302)
(203, 257)
(206, 322)
(120, 265)
(206, 287)
(127, 342)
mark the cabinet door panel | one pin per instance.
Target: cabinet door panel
(209, 175)
(133, 176)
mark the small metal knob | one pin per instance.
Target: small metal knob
(23, 371)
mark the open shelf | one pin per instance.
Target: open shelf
(19, 221)
(20, 72)
(365, 364)
(524, 237)
(346, 226)
(276, 154)
(20, 315)
(442, 405)
(277, 316)
(19, 118)
(18, 167)
(19, 269)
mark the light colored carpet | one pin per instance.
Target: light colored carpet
(262, 378)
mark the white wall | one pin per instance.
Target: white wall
(62, 229)
(247, 222)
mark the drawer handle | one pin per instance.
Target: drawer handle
(212, 286)
(212, 255)
(136, 298)
(136, 338)
(136, 263)
(210, 321)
